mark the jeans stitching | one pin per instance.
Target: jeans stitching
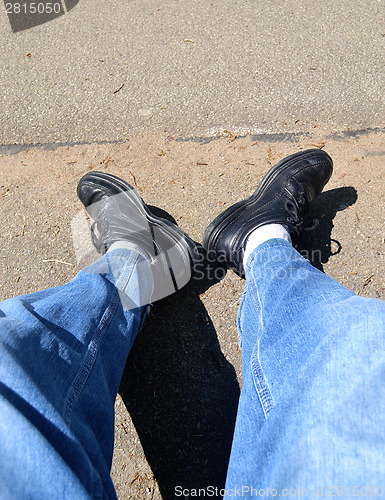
(98, 486)
(239, 315)
(125, 275)
(90, 358)
(261, 384)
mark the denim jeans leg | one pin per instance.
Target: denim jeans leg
(311, 414)
(63, 351)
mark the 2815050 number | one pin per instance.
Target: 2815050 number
(33, 8)
(355, 491)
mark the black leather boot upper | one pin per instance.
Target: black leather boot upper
(283, 197)
(120, 214)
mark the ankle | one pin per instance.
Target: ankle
(262, 234)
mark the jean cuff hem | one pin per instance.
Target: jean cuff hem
(274, 242)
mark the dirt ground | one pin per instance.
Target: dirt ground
(176, 407)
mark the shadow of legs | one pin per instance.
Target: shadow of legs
(181, 393)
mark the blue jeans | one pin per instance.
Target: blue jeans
(62, 355)
(311, 412)
(311, 416)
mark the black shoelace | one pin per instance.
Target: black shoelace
(296, 209)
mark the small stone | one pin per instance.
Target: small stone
(145, 112)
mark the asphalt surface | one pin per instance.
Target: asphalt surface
(191, 102)
(194, 69)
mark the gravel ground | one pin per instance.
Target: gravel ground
(176, 408)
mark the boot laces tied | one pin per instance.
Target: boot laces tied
(296, 208)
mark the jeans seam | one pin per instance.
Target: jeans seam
(254, 293)
(145, 312)
(238, 321)
(98, 486)
(126, 274)
(90, 358)
(260, 383)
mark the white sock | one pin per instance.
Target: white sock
(262, 234)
